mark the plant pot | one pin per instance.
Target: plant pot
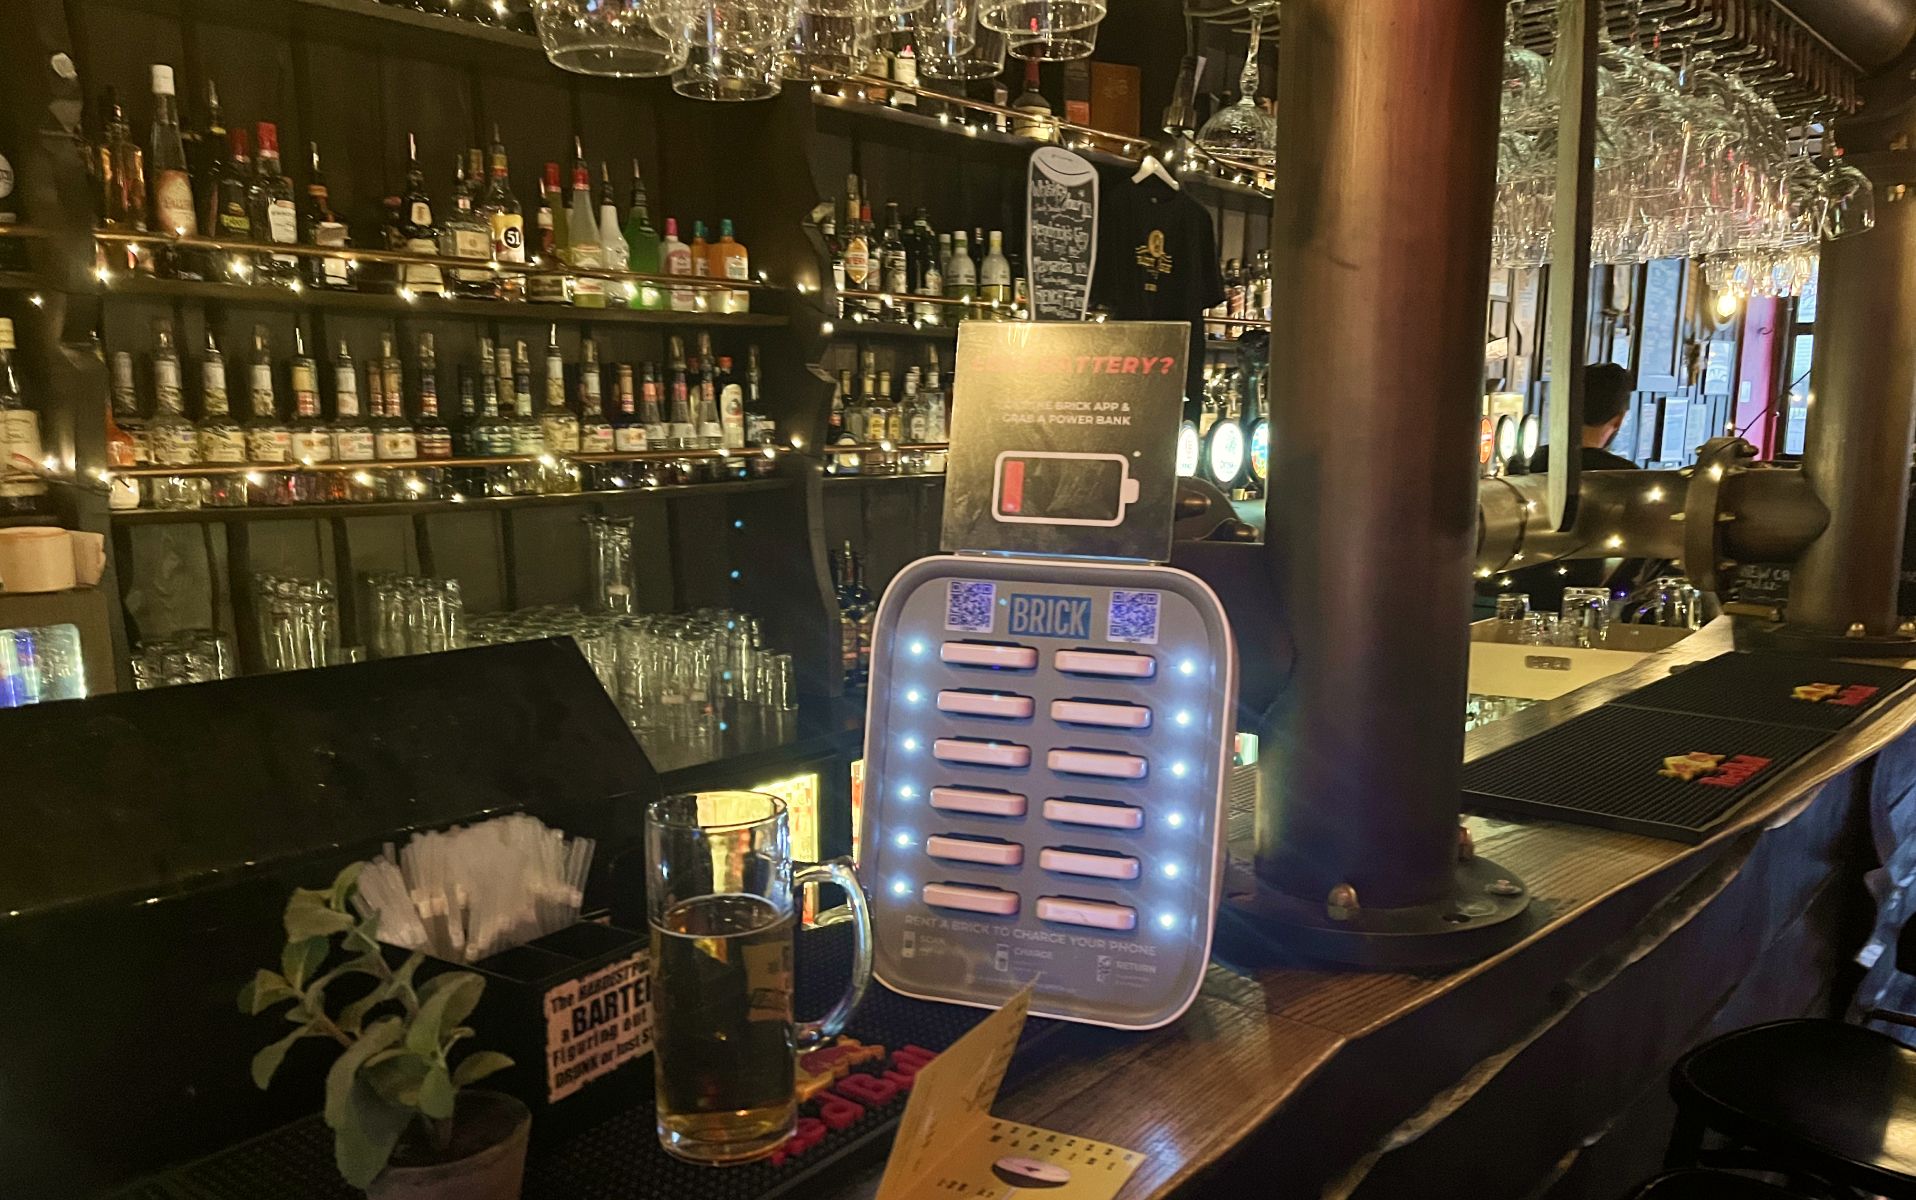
(488, 1156)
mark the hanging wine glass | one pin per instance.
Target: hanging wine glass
(626, 38)
(1243, 131)
(728, 74)
(953, 45)
(1049, 30)
(826, 46)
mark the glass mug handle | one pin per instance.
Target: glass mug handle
(839, 871)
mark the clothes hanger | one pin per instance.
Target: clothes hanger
(1151, 166)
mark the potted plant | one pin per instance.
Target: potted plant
(403, 1125)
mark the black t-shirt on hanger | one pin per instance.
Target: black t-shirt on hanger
(1157, 261)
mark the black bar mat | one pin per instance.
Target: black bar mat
(1608, 768)
(1782, 689)
(619, 1158)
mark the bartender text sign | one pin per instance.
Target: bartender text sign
(1061, 233)
(1064, 438)
(597, 1023)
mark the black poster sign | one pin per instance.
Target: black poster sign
(1061, 233)
(1064, 438)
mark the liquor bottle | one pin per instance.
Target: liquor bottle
(927, 268)
(642, 245)
(394, 439)
(854, 605)
(268, 440)
(895, 271)
(493, 436)
(432, 437)
(583, 251)
(961, 274)
(417, 229)
(275, 219)
(711, 426)
(835, 431)
(205, 150)
(701, 252)
(353, 438)
(324, 228)
(864, 420)
(834, 248)
(628, 431)
(552, 288)
(938, 415)
(560, 425)
(683, 431)
(890, 412)
(912, 413)
(528, 434)
(23, 489)
(858, 257)
(595, 431)
(994, 277)
(760, 430)
(730, 260)
(312, 439)
(232, 208)
(613, 251)
(171, 438)
(904, 73)
(878, 68)
(731, 407)
(499, 208)
(137, 449)
(677, 257)
(1034, 119)
(121, 168)
(464, 234)
(171, 176)
(651, 411)
(221, 438)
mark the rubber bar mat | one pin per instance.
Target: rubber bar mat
(1639, 770)
(619, 1158)
(1782, 689)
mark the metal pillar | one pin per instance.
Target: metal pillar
(1387, 126)
(1862, 417)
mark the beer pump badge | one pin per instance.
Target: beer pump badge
(1064, 439)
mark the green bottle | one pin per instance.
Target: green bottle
(642, 245)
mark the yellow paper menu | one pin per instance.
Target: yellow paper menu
(949, 1144)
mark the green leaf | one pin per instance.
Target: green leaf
(365, 935)
(339, 1080)
(300, 959)
(436, 1094)
(444, 1002)
(344, 883)
(397, 1078)
(267, 1061)
(478, 1065)
(368, 1128)
(263, 991)
(314, 920)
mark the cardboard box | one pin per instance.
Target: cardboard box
(1115, 92)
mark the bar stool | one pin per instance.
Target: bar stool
(1711, 1185)
(1822, 1099)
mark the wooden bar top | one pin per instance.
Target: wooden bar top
(1259, 1044)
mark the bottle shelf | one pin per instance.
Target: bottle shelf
(407, 508)
(879, 448)
(837, 481)
(429, 464)
(845, 330)
(126, 284)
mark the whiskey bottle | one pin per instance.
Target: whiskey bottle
(174, 441)
(312, 439)
(137, 450)
(324, 228)
(657, 434)
(528, 434)
(682, 433)
(595, 432)
(432, 437)
(222, 440)
(464, 234)
(268, 440)
(493, 436)
(394, 439)
(711, 426)
(23, 488)
(353, 439)
(628, 431)
(274, 215)
(121, 168)
(418, 232)
(560, 427)
(896, 271)
(927, 268)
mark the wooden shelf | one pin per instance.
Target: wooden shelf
(422, 307)
(849, 331)
(410, 508)
(832, 481)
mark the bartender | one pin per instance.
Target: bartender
(1606, 397)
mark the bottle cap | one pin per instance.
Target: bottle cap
(241, 145)
(698, 229)
(671, 227)
(725, 228)
(162, 79)
(552, 177)
(269, 138)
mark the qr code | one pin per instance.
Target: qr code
(1134, 617)
(968, 606)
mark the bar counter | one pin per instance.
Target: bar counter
(1537, 1072)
